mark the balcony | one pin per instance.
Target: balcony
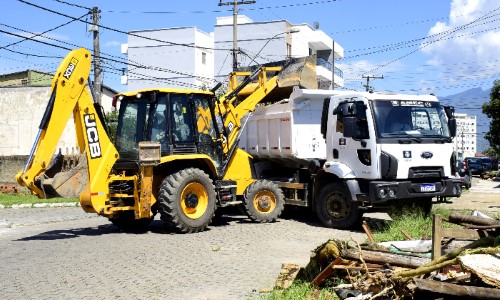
(324, 71)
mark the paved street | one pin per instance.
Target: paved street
(483, 196)
(63, 253)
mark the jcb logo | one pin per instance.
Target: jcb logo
(92, 136)
(70, 68)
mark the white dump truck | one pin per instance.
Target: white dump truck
(343, 153)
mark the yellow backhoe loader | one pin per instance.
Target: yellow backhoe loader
(175, 151)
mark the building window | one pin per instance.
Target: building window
(24, 82)
(204, 58)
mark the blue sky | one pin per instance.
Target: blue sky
(419, 46)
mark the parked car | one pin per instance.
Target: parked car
(487, 164)
(464, 173)
(475, 165)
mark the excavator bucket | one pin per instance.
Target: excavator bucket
(65, 183)
(299, 72)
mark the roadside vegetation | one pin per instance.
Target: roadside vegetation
(7, 200)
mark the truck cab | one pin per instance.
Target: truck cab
(390, 147)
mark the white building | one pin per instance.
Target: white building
(158, 58)
(21, 110)
(187, 57)
(466, 138)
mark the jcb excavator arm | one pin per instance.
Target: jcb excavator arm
(69, 96)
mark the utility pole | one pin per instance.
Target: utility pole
(97, 55)
(367, 86)
(235, 4)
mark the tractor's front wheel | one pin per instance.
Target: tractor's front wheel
(186, 201)
(264, 201)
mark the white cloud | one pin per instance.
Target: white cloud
(468, 42)
(112, 44)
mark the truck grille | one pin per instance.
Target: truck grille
(426, 172)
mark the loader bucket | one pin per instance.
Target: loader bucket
(65, 184)
(299, 72)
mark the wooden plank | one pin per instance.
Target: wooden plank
(469, 292)
(323, 275)
(394, 259)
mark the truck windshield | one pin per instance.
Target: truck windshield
(396, 118)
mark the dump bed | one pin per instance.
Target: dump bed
(289, 129)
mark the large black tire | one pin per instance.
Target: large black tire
(263, 201)
(186, 201)
(335, 209)
(127, 222)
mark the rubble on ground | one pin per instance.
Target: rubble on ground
(400, 269)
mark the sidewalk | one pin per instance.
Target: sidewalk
(484, 196)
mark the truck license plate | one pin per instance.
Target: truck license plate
(427, 187)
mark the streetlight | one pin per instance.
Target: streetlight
(293, 30)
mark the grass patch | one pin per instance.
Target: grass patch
(300, 290)
(8, 200)
(412, 221)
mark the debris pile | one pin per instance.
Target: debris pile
(394, 270)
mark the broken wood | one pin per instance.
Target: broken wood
(438, 232)
(323, 275)
(287, 275)
(438, 262)
(484, 266)
(459, 219)
(394, 259)
(368, 232)
(456, 290)
(406, 235)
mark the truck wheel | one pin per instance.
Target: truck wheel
(264, 201)
(127, 222)
(186, 201)
(335, 208)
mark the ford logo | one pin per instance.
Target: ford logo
(427, 155)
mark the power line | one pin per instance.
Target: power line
(120, 31)
(449, 32)
(72, 4)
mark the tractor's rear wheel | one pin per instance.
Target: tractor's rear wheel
(264, 201)
(186, 201)
(335, 209)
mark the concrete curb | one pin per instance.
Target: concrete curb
(42, 205)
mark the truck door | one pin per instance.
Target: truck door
(352, 138)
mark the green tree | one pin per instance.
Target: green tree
(111, 119)
(492, 110)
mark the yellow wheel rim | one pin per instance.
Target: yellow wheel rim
(194, 200)
(264, 201)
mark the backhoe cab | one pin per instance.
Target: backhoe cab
(175, 150)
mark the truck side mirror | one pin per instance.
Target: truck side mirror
(452, 124)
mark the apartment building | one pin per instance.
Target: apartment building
(187, 57)
(466, 138)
